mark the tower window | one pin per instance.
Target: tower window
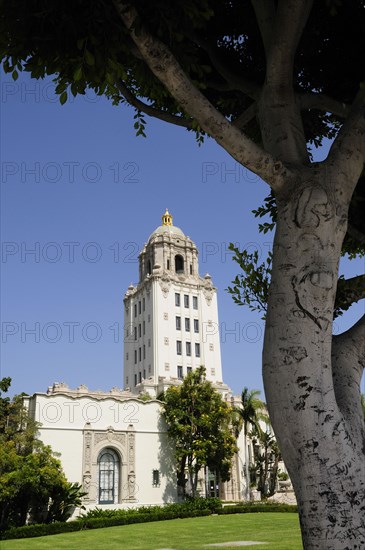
(139, 330)
(196, 325)
(191, 269)
(178, 323)
(135, 310)
(177, 299)
(135, 380)
(144, 352)
(179, 372)
(197, 350)
(188, 349)
(135, 333)
(179, 264)
(168, 264)
(188, 369)
(139, 307)
(149, 270)
(178, 347)
(187, 324)
(195, 302)
(186, 300)
(140, 354)
(144, 304)
(144, 327)
(135, 356)
(139, 377)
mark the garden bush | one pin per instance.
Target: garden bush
(97, 518)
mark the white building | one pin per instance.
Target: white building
(114, 443)
(171, 316)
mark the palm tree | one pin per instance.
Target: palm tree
(249, 413)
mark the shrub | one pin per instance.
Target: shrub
(106, 518)
(42, 529)
(258, 507)
(98, 518)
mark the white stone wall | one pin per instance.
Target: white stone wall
(79, 428)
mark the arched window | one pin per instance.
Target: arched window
(149, 269)
(179, 264)
(108, 476)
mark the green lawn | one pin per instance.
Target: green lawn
(280, 530)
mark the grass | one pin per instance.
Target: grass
(280, 530)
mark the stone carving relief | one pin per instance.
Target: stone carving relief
(165, 284)
(208, 294)
(93, 442)
(208, 289)
(131, 465)
(87, 449)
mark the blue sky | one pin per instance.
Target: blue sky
(80, 196)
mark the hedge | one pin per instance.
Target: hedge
(113, 518)
(259, 507)
(40, 530)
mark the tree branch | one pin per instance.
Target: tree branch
(350, 291)
(290, 20)
(151, 111)
(347, 154)
(246, 117)
(235, 81)
(279, 112)
(348, 363)
(324, 103)
(167, 69)
(265, 15)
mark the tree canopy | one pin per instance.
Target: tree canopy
(199, 423)
(32, 482)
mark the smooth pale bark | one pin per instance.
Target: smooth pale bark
(326, 463)
(348, 363)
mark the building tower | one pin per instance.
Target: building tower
(171, 316)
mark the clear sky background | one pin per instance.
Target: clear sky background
(80, 196)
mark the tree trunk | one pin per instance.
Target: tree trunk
(247, 463)
(325, 461)
(265, 484)
(273, 476)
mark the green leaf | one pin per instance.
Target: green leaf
(63, 98)
(90, 59)
(78, 74)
